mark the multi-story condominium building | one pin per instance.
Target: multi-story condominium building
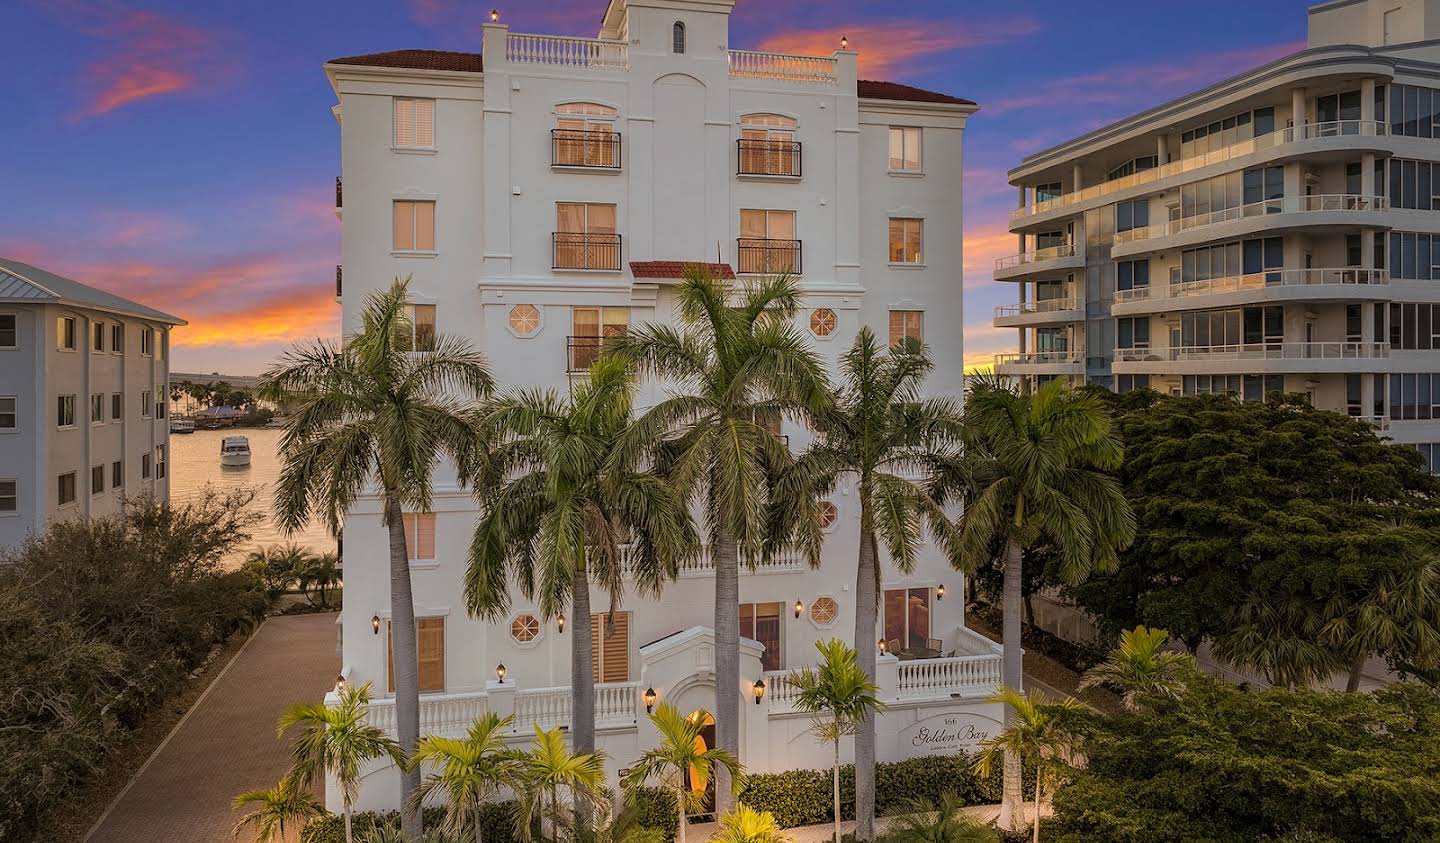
(549, 192)
(1270, 232)
(83, 393)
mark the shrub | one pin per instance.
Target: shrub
(655, 808)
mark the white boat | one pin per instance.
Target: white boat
(182, 425)
(235, 451)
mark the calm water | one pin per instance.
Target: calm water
(195, 461)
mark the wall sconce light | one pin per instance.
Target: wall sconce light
(940, 591)
(649, 697)
(560, 621)
(340, 683)
(883, 646)
(759, 689)
(844, 43)
(375, 624)
(500, 672)
(494, 15)
(799, 608)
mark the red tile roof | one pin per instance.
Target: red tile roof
(676, 269)
(870, 89)
(418, 60)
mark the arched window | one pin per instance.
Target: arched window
(678, 36)
(585, 135)
(767, 145)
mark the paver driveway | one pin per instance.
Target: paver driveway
(226, 744)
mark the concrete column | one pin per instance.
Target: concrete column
(501, 697)
(1367, 394)
(499, 184)
(1367, 321)
(1298, 114)
(1020, 191)
(1367, 100)
(1162, 150)
(1077, 181)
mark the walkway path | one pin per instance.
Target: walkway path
(226, 743)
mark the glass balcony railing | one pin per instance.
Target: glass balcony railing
(1036, 256)
(1283, 205)
(1041, 306)
(1267, 280)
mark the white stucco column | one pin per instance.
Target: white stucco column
(1077, 180)
(1367, 100)
(498, 180)
(1162, 150)
(1298, 116)
(1020, 195)
(1367, 393)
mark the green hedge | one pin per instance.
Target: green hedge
(497, 818)
(655, 808)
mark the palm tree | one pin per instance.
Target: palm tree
(1140, 668)
(746, 825)
(289, 801)
(550, 768)
(840, 696)
(733, 368)
(561, 506)
(926, 822)
(1037, 731)
(1034, 472)
(880, 432)
(468, 771)
(371, 412)
(319, 572)
(681, 752)
(337, 740)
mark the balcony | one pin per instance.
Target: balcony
(1041, 312)
(1041, 363)
(571, 54)
(582, 352)
(1286, 212)
(584, 149)
(1048, 259)
(1276, 285)
(765, 256)
(1348, 131)
(1255, 358)
(585, 252)
(772, 158)
(783, 67)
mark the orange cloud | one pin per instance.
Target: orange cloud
(889, 47)
(281, 319)
(981, 247)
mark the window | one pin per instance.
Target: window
(65, 411)
(585, 136)
(414, 226)
(8, 336)
(824, 611)
(1227, 131)
(906, 325)
(145, 466)
(1133, 332)
(1133, 214)
(1129, 383)
(524, 320)
(610, 646)
(1413, 396)
(761, 622)
(147, 341)
(414, 123)
(420, 536)
(585, 236)
(65, 485)
(9, 416)
(525, 628)
(827, 513)
(159, 462)
(117, 406)
(117, 338)
(1413, 184)
(767, 242)
(65, 333)
(97, 479)
(590, 328)
(1414, 110)
(145, 403)
(1132, 274)
(907, 618)
(677, 38)
(822, 321)
(160, 408)
(117, 474)
(9, 496)
(97, 408)
(1414, 255)
(767, 145)
(905, 237)
(1133, 166)
(430, 650)
(1414, 326)
(422, 328)
(905, 149)
(1046, 192)
(97, 336)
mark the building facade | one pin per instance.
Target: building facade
(1270, 232)
(549, 192)
(83, 397)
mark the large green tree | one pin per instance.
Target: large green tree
(373, 410)
(734, 362)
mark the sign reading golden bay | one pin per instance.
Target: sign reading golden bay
(945, 734)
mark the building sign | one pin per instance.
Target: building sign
(946, 734)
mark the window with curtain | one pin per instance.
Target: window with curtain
(430, 650)
(905, 240)
(585, 236)
(907, 617)
(590, 327)
(585, 135)
(762, 622)
(767, 145)
(422, 328)
(414, 226)
(420, 536)
(906, 325)
(610, 646)
(414, 123)
(905, 149)
(767, 241)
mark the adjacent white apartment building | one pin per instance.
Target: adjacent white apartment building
(84, 376)
(1273, 231)
(548, 192)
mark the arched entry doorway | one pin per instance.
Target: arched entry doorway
(702, 786)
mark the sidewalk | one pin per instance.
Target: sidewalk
(226, 743)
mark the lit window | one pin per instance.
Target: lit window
(65, 486)
(767, 242)
(65, 411)
(420, 536)
(585, 236)
(414, 123)
(610, 646)
(525, 628)
(414, 226)
(767, 145)
(430, 649)
(824, 611)
(906, 325)
(907, 619)
(822, 322)
(422, 328)
(8, 337)
(65, 333)
(762, 622)
(590, 328)
(9, 496)
(524, 320)
(905, 237)
(827, 513)
(585, 136)
(905, 149)
(9, 416)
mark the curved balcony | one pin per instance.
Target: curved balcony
(1049, 259)
(1042, 312)
(1273, 286)
(1335, 135)
(1286, 212)
(1254, 358)
(1041, 363)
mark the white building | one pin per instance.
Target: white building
(1271, 231)
(551, 194)
(83, 390)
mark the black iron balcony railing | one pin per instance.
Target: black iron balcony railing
(339, 278)
(579, 250)
(756, 157)
(763, 256)
(339, 192)
(582, 352)
(584, 148)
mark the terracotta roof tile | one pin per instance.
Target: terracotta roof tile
(676, 269)
(418, 60)
(871, 89)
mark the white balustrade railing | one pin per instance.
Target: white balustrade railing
(780, 692)
(704, 564)
(1041, 306)
(616, 704)
(943, 677)
(968, 642)
(562, 51)
(1048, 253)
(1292, 134)
(1314, 203)
(448, 715)
(1260, 351)
(1267, 280)
(782, 67)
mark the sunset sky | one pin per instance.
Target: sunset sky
(183, 153)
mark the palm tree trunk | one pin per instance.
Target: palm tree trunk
(479, 826)
(727, 661)
(1357, 667)
(405, 662)
(582, 675)
(1035, 826)
(1013, 675)
(835, 786)
(680, 807)
(349, 833)
(867, 591)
